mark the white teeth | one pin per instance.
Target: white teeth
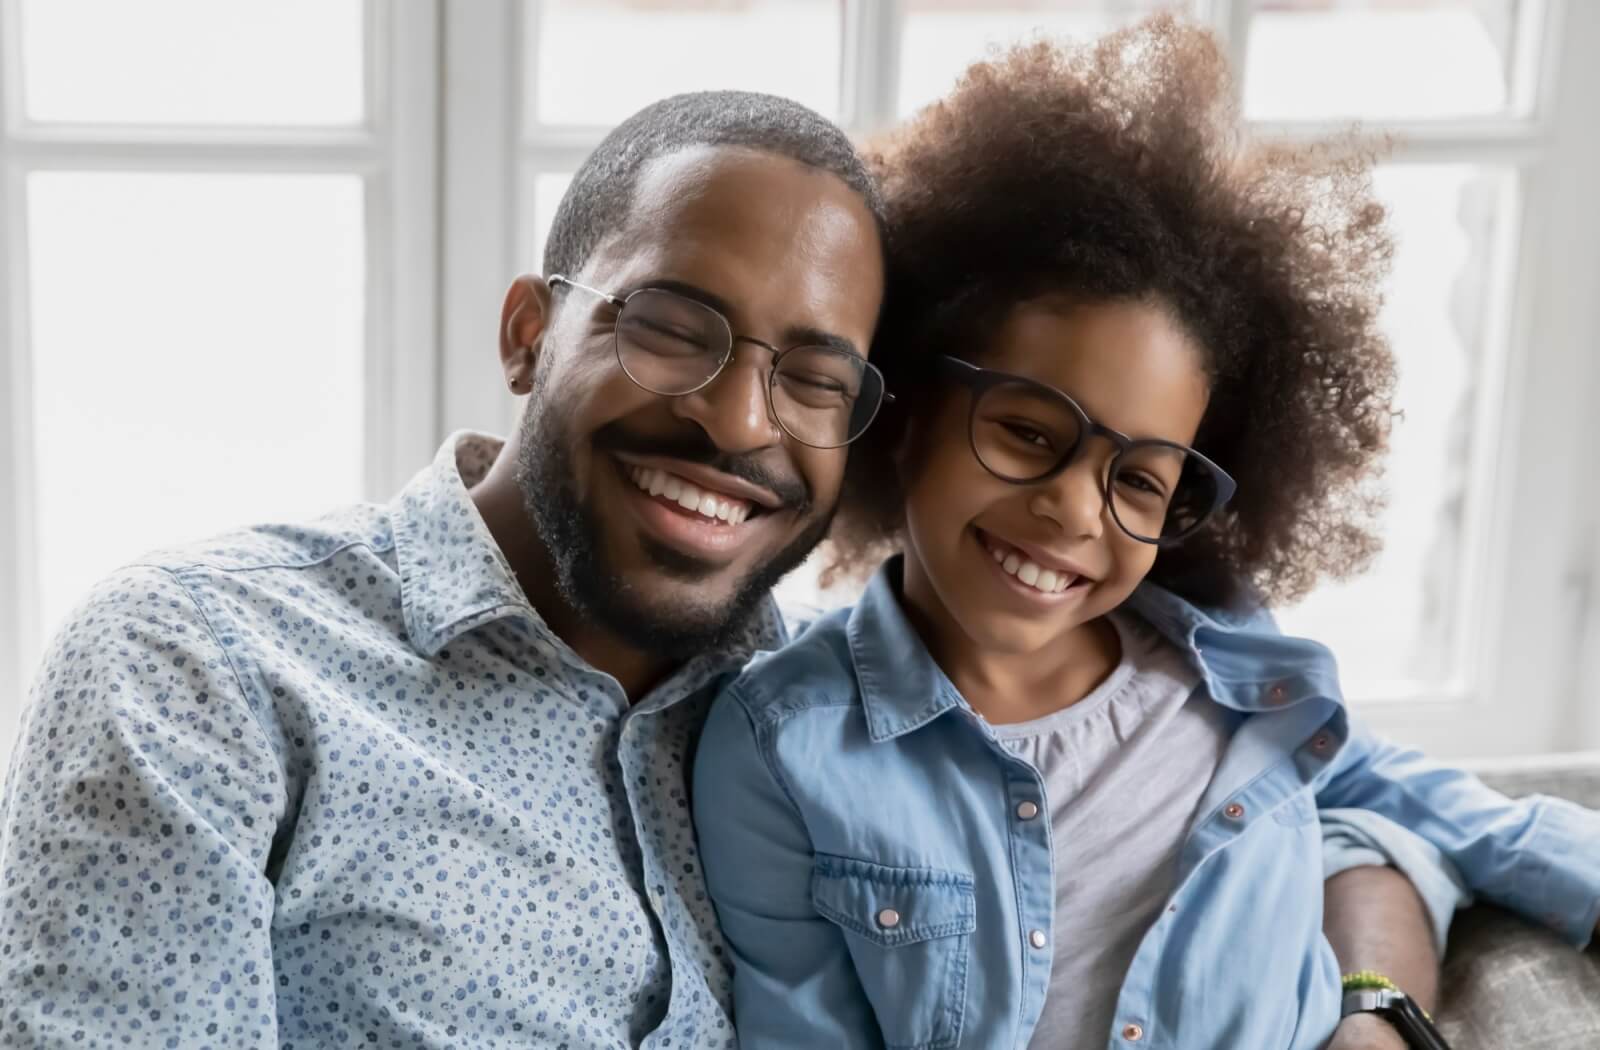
(1050, 581)
(687, 496)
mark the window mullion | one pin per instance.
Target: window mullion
(18, 583)
(480, 92)
(870, 68)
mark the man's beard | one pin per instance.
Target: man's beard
(570, 531)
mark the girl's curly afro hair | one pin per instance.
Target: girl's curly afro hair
(1120, 170)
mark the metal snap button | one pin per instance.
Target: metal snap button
(1132, 1033)
(1037, 939)
(1233, 811)
(1027, 810)
(888, 918)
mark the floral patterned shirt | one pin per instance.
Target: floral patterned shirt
(339, 785)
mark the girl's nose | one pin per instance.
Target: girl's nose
(1074, 499)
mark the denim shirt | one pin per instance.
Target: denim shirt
(882, 883)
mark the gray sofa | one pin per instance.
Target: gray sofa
(1507, 983)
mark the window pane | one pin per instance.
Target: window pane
(547, 189)
(1403, 59)
(943, 37)
(597, 61)
(193, 62)
(1398, 629)
(196, 357)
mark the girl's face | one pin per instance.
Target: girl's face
(1129, 366)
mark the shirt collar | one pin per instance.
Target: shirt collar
(901, 686)
(1247, 663)
(454, 577)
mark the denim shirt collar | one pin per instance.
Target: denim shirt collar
(1246, 662)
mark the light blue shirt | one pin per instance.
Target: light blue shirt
(338, 786)
(882, 865)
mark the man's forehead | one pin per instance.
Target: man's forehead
(740, 222)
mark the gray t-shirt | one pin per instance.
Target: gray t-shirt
(1124, 769)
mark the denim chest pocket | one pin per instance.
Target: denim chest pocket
(909, 932)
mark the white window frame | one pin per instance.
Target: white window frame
(395, 153)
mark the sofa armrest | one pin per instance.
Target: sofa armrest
(1507, 982)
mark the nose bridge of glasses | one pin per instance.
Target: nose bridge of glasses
(725, 387)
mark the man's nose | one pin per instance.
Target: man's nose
(733, 408)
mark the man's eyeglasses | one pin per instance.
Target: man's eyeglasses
(672, 345)
(1026, 432)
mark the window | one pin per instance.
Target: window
(205, 322)
(191, 234)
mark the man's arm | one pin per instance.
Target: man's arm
(1376, 920)
(1538, 856)
(134, 831)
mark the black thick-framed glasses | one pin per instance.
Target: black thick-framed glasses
(1024, 432)
(672, 345)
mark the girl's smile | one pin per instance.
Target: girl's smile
(1037, 575)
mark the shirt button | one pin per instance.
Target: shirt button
(1037, 939)
(1027, 810)
(1132, 1033)
(1233, 811)
(888, 918)
(1278, 694)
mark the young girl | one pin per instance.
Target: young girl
(1055, 780)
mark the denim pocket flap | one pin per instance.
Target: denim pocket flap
(893, 905)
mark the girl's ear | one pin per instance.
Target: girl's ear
(902, 455)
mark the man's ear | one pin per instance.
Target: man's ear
(524, 319)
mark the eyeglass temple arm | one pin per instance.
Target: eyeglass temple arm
(558, 279)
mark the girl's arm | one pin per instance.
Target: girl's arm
(793, 981)
(1537, 855)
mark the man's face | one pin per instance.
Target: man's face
(669, 518)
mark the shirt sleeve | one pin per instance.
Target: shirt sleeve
(138, 815)
(793, 982)
(1353, 838)
(1539, 856)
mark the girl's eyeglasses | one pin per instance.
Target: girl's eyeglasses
(1025, 432)
(671, 345)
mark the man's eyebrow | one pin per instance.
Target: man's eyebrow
(807, 336)
(685, 289)
(794, 335)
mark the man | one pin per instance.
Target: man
(414, 775)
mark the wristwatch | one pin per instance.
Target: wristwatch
(1400, 1010)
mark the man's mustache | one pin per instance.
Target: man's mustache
(696, 446)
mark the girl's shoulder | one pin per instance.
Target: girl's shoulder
(813, 670)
